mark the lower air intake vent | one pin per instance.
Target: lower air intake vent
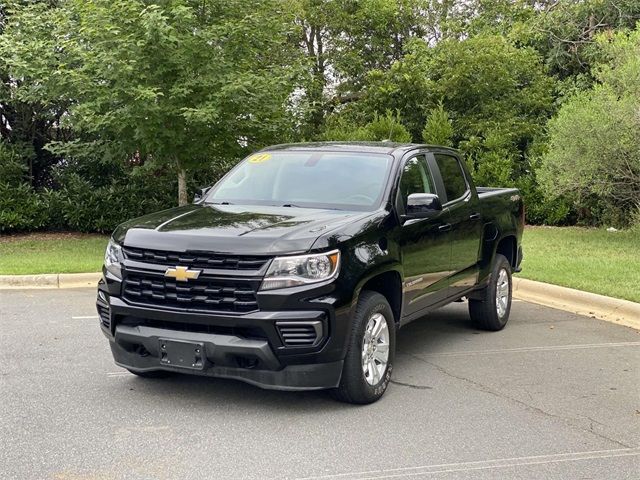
(105, 319)
(300, 334)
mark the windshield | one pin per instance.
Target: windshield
(343, 181)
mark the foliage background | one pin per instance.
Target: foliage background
(112, 109)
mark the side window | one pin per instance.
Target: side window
(415, 178)
(455, 184)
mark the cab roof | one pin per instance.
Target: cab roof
(372, 147)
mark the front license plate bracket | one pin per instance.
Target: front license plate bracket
(181, 354)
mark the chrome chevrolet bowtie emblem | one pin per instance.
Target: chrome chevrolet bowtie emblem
(182, 274)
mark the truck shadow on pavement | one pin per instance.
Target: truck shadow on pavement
(445, 326)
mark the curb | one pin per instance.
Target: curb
(614, 310)
(51, 280)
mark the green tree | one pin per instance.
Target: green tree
(496, 95)
(180, 82)
(343, 40)
(480, 17)
(28, 125)
(565, 32)
(593, 155)
(438, 130)
(387, 127)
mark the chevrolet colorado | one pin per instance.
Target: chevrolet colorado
(297, 268)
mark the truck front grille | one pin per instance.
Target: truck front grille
(195, 259)
(202, 294)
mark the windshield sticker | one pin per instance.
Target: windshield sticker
(259, 158)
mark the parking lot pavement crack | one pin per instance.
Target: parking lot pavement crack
(486, 389)
(411, 385)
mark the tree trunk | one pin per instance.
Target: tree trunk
(182, 187)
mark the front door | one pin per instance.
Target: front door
(425, 245)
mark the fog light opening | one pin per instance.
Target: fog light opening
(247, 362)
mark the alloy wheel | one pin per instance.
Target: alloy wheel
(502, 293)
(375, 349)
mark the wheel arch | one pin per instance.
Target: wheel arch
(508, 247)
(387, 283)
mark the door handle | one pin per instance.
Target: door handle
(445, 228)
(474, 216)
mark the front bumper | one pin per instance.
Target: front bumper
(137, 349)
(248, 347)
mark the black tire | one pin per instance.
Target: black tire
(484, 310)
(354, 387)
(151, 374)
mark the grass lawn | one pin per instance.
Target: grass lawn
(51, 253)
(593, 260)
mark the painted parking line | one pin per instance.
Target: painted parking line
(85, 317)
(481, 465)
(119, 374)
(528, 349)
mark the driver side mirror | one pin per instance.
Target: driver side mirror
(200, 194)
(422, 205)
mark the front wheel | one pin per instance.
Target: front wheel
(369, 360)
(491, 310)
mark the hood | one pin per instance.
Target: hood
(237, 229)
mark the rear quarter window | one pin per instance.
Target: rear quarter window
(455, 184)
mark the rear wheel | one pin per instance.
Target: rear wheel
(491, 310)
(369, 360)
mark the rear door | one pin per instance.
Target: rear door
(424, 243)
(461, 202)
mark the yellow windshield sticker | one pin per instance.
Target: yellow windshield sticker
(260, 157)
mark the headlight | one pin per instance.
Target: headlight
(112, 258)
(301, 270)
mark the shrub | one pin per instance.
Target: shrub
(541, 210)
(382, 127)
(21, 208)
(388, 127)
(13, 167)
(93, 193)
(490, 159)
(438, 130)
(593, 157)
(86, 208)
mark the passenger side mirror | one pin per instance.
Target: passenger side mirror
(422, 205)
(200, 194)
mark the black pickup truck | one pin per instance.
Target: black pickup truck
(296, 269)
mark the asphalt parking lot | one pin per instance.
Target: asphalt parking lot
(554, 395)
